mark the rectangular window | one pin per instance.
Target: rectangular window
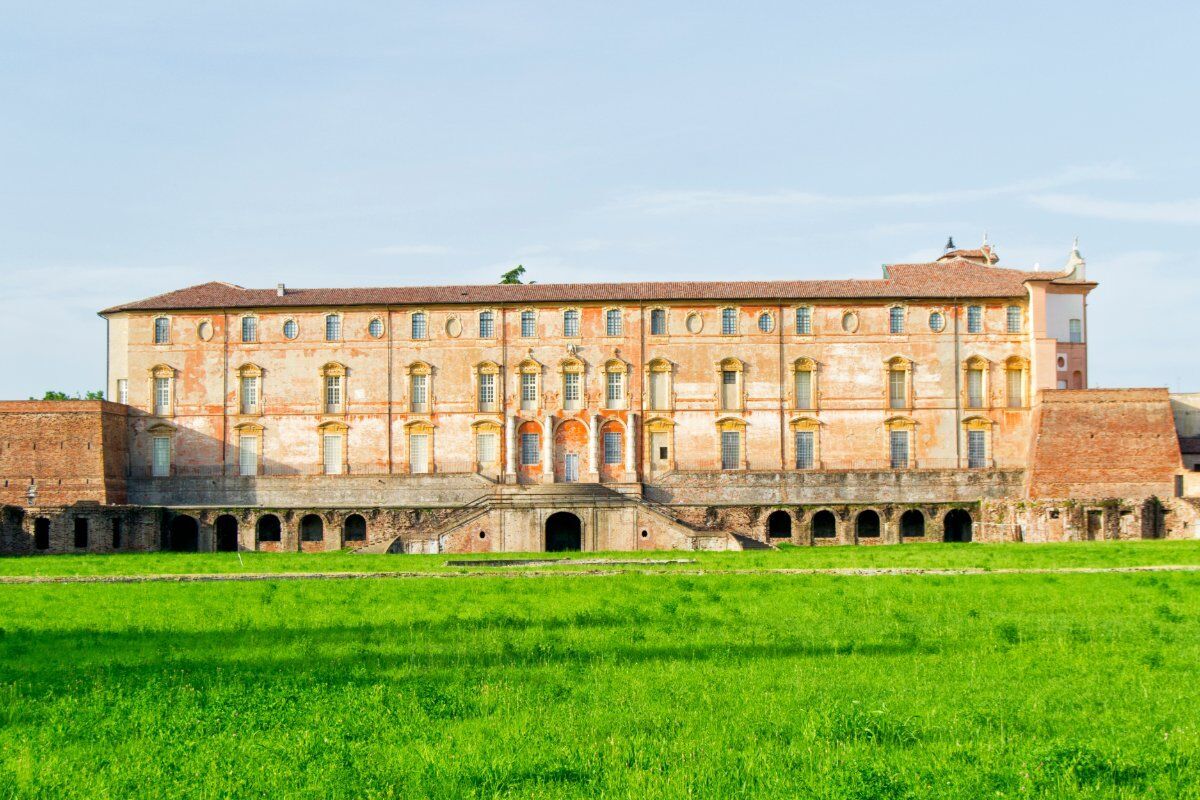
(658, 322)
(486, 448)
(122, 391)
(614, 391)
(804, 449)
(418, 453)
(658, 391)
(975, 319)
(332, 445)
(333, 394)
(729, 389)
(528, 391)
(897, 388)
(612, 447)
(896, 320)
(248, 455)
(731, 450)
(899, 449)
(728, 321)
(571, 323)
(612, 322)
(162, 330)
(528, 324)
(162, 396)
(804, 389)
(161, 456)
(976, 450)
(487, 392)
(419, 325)
(333, 328)
(974, 388)
(249, 329)
(571, 393)
(804, 320)
(1014, 318)
(1016, 388)
(1076, 331)
(487, 325)
(249, 395)
(530, 449)
(420, 393)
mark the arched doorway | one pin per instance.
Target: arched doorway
(824, 525)
(867, 526)
(912, 523)
(268, 528)
(570, 447)
(779, 525)
(957, 526)
(183, 534)
(312, 528)
(564, 532)
(354, 529)
(227, 533)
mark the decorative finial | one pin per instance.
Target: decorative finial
(985, 241)
(949, 244)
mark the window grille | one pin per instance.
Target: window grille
(528, 391)
(1076, 331)
(487, 392)
(937, 322)
(897, 388)
(333, 328)
(766, 323)
(896, 320)
(487, 325)
(614, 388)
(731, 450)
(161, 457)
(162, 395)
(375, 328)
(570, 322)
(420, 393)
(530, 449)
(571, 393)
(162, 330)
(612, 322)
(333, 394)
(485, 448)
(290, 329)
(418, 453)
(249, 329)
(612, 447)
(728, 321)
(975, 319)
(1014, 319)
(420, 327)
(658, 322)
(976, 450)
(899, 449)
(528, 324)
(804, 449)
(804, 320)
(249, 395)
(332, 445)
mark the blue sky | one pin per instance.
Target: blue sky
(146, 146)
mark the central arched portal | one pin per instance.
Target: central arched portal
(564, 532)
(183, 534)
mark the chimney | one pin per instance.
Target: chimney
(280, 291)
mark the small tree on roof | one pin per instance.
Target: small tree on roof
(513, 275)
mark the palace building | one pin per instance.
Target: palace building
(942, 401)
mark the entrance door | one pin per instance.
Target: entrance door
(563, 532)
(1095, 524)
(571, 467)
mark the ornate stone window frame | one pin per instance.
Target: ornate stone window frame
(903, 319)
(900, 422)
(170, 373)
(978, 422)
(154, 329)
(731, 364)
(252, 429)
(383, 327)
(809, 424)
(771, 324)
(563, 320)
(656, 366)
(809, 365)
(575, 366)
(249, 370)
(412, 318)
(903, 364)
(666, 322)
(334, 369)
(283, 329)
(1017, 364)
(331, 428)
(662, 425)
(726, 424)
(490, 426)
(341, 326)
(161, 430)
(615, 366)
(422, 427)
(941, 314)
(495, 323)
(488, 368)
(414, 369)
(204, 329)
(812, 319)
(850, 321)
(693, 323)
(242, 328)
(977, 362)
(530, 366)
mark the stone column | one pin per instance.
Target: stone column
(548, 449)
(510, 450)
(593, 465)
(630, 446)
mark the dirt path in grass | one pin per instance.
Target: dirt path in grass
(859, 572)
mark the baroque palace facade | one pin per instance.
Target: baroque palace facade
(943, 401)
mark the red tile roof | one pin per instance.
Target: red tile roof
(944, 279)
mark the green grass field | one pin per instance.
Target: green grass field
(643, 685)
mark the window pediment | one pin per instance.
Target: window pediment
(333, 426)
(162, 371)
(419, 426)
(249, 370)
(419, 368)
(730, 364)
(731, 424)
(900, 424)
(659, 365)
(805, 424)
(333, 369)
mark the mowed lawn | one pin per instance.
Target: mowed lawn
(631, 685)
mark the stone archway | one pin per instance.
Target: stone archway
(957, 526)
(570, 451)
(824, 525)
(779, 525)
(227, 533)
(867, 525)
(564, 532)
(183, 534)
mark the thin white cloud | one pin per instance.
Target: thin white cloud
(412, 250)
(1177, 212)
(681, 201)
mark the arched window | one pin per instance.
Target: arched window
(250, 389)
(729, 326)
(912, 523)
(572, 371)
(804, 320)
(312, 528)
(658, 322)
(333, 388)
(162, 330)
(571, 323)
(420, 392)
(867, 525)
(249, 329)
(1016, 372)
(530, 375)
(487, 324)
(779, 525)
(333, 328)
(659, 370)
(614, 324)
(528, 323)
(487, 375)
(354, 529)
(824, 525)
(420, 325)
(268, 528)
(615, 372)
(899, 383)
(730, 384)
(975, 383)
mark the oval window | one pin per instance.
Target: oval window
(849, 322)
(375, 328)
(766, 323)
(937, 322)
(204, 331)
(290, 329)
(695, 323)
(454, 327)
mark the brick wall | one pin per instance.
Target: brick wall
(1104, 443)
(75, 451)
